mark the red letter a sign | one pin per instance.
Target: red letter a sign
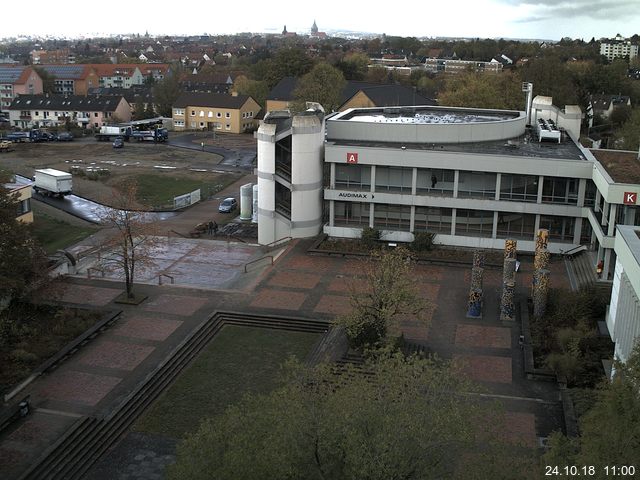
(352, 158)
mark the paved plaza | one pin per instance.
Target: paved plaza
(210, 277)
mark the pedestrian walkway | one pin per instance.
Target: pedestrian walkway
(105, 370)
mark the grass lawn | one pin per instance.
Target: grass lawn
(54, 234)
(237, 361)
(158, 190)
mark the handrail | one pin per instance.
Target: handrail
(573, 250)
(97, 269)
(275, 243)
(257, 260)
(171, 279)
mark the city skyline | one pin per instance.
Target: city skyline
(524, 19)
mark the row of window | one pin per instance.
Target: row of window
(517, 188)
(180, 112)
(474, 223)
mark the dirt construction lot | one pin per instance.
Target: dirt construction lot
(98, 167)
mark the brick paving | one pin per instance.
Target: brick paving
(486, 368)
(89, 295)
(483, 336)
(123, 356)
(296, 280)
(182, 305)
(78, 387)
(278, 299)
(147, 328)
(334, 304)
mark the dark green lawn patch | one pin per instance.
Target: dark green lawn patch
(238, 360)
(31, 334)
(54, 234)
(158, 190)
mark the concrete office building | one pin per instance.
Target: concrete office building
(473, 177)
(290, 175)
(623, 317)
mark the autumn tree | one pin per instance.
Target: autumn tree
(48, 80)
(386, 291)
(405, 418)
(482, 90)
(256, 89)
(287, 62)
(131, 246)
(323, 84)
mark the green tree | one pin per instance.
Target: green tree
(149, 112)
(48, 80)
(354, 66)
(287, 62)
(377, 300)
(166, 91)
(610, 431)
(406, 418)
(323, 84)
(628, 135)
(481, 90)
(139, 111)
(256, 89)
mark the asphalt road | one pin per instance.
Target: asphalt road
(232, 160)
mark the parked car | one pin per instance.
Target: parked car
(228, 205)
(47, 137)
(65, 137)
(118, 142)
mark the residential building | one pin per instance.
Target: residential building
(473, 177)
(354, 94)
(23, 197)
(618, 48)
(118, 75)
(72, 79)
(62, 56)
(33, 111)
(17, 80)
(215, 111)
(133, 95)
(603, 105)
(157, 71)
(623, 315)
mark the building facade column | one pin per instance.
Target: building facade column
(498, 181)
(540, 185)
(456, 178)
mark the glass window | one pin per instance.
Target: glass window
(391, 217)
(590, 194)
(560, 190)
(476, 184)
(394, 179)
(351, 214)
(353, 177)
(516, 225)
(560, 228)
(435, 182)
(433, 219)
(477, 223)
(519, 188)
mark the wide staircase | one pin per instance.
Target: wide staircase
(581, 268)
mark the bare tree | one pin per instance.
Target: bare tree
(130, 246)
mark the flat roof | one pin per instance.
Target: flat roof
(623, 166)
(567, 150)
(420, 115)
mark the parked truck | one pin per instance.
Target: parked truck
(111, 132)
(51, 182)
(34, 135)
(156, 135)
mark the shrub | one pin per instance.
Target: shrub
(369, 236)
(422, 241)
(24, 357)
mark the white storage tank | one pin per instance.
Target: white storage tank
(246, 201)
(254, 216)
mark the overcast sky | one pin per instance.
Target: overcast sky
(542, 19)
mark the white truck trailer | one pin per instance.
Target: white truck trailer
(49, 181)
